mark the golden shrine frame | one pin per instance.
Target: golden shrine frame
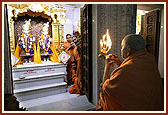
(56, 14)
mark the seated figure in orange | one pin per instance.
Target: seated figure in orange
(136, 84)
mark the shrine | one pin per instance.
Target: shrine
(37, 37)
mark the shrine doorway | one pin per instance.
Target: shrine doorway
(35, 29)
(22, 79)
(151, 25)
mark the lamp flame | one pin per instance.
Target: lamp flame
(105, 43)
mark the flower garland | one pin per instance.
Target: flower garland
(41, 36)
(28, 34)
(22, 34)
(27, 51)
(48, 36)
(46, 49)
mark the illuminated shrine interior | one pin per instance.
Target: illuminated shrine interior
(47, 72)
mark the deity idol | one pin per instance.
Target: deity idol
(25, 42)
(45, 42)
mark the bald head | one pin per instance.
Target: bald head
(131, 44)
(136, 42)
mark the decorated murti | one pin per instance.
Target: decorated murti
(25, 42)
(45, 43)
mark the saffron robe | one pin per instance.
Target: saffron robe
(77, 86)
(71, 59)
(70, 53)
(134, 86)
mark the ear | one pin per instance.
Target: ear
(128, 50)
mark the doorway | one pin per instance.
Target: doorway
(43, 101)
(155, 43)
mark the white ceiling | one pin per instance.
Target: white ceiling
(74, 5)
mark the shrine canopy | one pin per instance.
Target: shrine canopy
(50, 11)
(54, 13)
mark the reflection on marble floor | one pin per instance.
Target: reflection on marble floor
(60, 102)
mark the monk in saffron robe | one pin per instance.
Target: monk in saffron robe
(76, 78)
(75, 88)
(68, 50)
(76, 55)
(136, 84)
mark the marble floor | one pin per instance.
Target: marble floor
(60, 102)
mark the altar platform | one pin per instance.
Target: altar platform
(32, 81)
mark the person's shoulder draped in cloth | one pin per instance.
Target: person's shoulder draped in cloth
(134, 86)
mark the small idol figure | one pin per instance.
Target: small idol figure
(45, 42)
(25, 42)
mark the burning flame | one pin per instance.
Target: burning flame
(105, 43)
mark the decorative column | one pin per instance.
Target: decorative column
(12, 35)
(61, 37)
(55, 34)
(58, 27)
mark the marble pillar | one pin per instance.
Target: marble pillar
(120, 19)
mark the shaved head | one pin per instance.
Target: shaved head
(133, 43)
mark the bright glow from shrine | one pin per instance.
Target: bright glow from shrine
(105, 43)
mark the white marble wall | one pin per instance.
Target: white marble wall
(68, 27)
(120, 19)
(72, 19)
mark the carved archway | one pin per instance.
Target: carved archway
(53, 14)
(36, 27)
